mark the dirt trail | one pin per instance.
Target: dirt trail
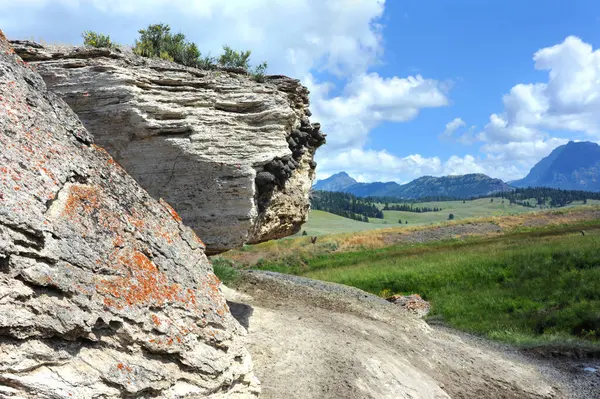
(310, 339)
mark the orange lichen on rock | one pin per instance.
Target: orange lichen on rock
(82, 200)
(118, 241)
(100, 149)
(156, 320)
(166, 236)
(171, 211)
(145, 285)
(136, 221)
(124, 367)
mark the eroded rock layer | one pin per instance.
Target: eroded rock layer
(103, 291)
(234, 157)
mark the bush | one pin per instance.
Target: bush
(259, 72)
(235, 59)
(98, 40)
(241, 59)
(157, 41)
(451, 216)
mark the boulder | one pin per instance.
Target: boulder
(233, 156)
(103, 291)
(411, 303)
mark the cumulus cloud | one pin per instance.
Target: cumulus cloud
(310, 39)
(368, 100)
(536, 114)
(525, 153)
(569, 100)
(370, 165)
(294, 36)
(453, 126)
(498, 130)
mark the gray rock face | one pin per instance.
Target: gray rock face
(234, 157)
(103, 291)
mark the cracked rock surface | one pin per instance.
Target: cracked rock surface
(234, 157)
(104, 293)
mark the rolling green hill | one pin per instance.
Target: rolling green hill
(323, 223)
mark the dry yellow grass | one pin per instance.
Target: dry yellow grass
(374, 239)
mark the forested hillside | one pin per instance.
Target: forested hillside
(346, 205)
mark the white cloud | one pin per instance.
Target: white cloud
(370, 165)
(300, 38)
(294, 36)
(535, 113)
(460, 166)
(498, 130)
(526, 153)
(569, 100)
(368, 100)
(453, 126)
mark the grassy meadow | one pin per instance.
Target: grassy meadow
(322, 223)
(483, 207)
(528, 285)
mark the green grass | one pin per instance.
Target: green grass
(533, 287)
(470, 209)
(321, 223)
(225, 271)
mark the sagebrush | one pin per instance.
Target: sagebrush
(97, 40)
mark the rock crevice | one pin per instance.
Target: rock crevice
(234, 157)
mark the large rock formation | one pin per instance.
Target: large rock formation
(103, 291)
(234, 157)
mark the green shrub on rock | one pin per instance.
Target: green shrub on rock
(234, 59)
(241, 59)
(157, 41)
(259, 72)
(98, 40)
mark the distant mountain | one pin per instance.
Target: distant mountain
(377, 189)
(464, 186)
(338, 182)
(573, 166)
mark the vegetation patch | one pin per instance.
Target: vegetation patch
(157, 41)
(225, 271)
(345, 205)
(533, 286)
(97, 40)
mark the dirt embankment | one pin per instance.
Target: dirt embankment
(443, 233)
(311, 339)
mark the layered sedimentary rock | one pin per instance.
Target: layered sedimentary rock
(103, 291)
(234, 157)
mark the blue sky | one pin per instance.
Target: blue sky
(402, 87)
